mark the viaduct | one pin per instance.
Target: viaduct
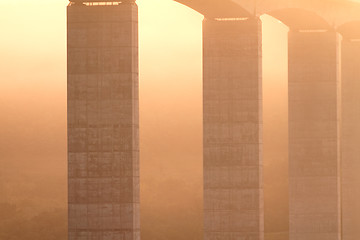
(324, 118)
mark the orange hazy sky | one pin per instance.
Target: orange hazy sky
(33, 84)
(33, 106)
(33, 72)
(33, 113)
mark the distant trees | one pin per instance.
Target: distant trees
(15, 225)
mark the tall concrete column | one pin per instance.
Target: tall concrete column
(350, 145)
(233, 182)
(103, 144)
(314, 135)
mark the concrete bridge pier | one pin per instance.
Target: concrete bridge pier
(232, 88)
(314, 135)
(350, 138)
(103, 143)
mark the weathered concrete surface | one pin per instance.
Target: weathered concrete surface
(277, 236)
(103, 145)
(350, 139)
(314, 135)
(233, 182)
